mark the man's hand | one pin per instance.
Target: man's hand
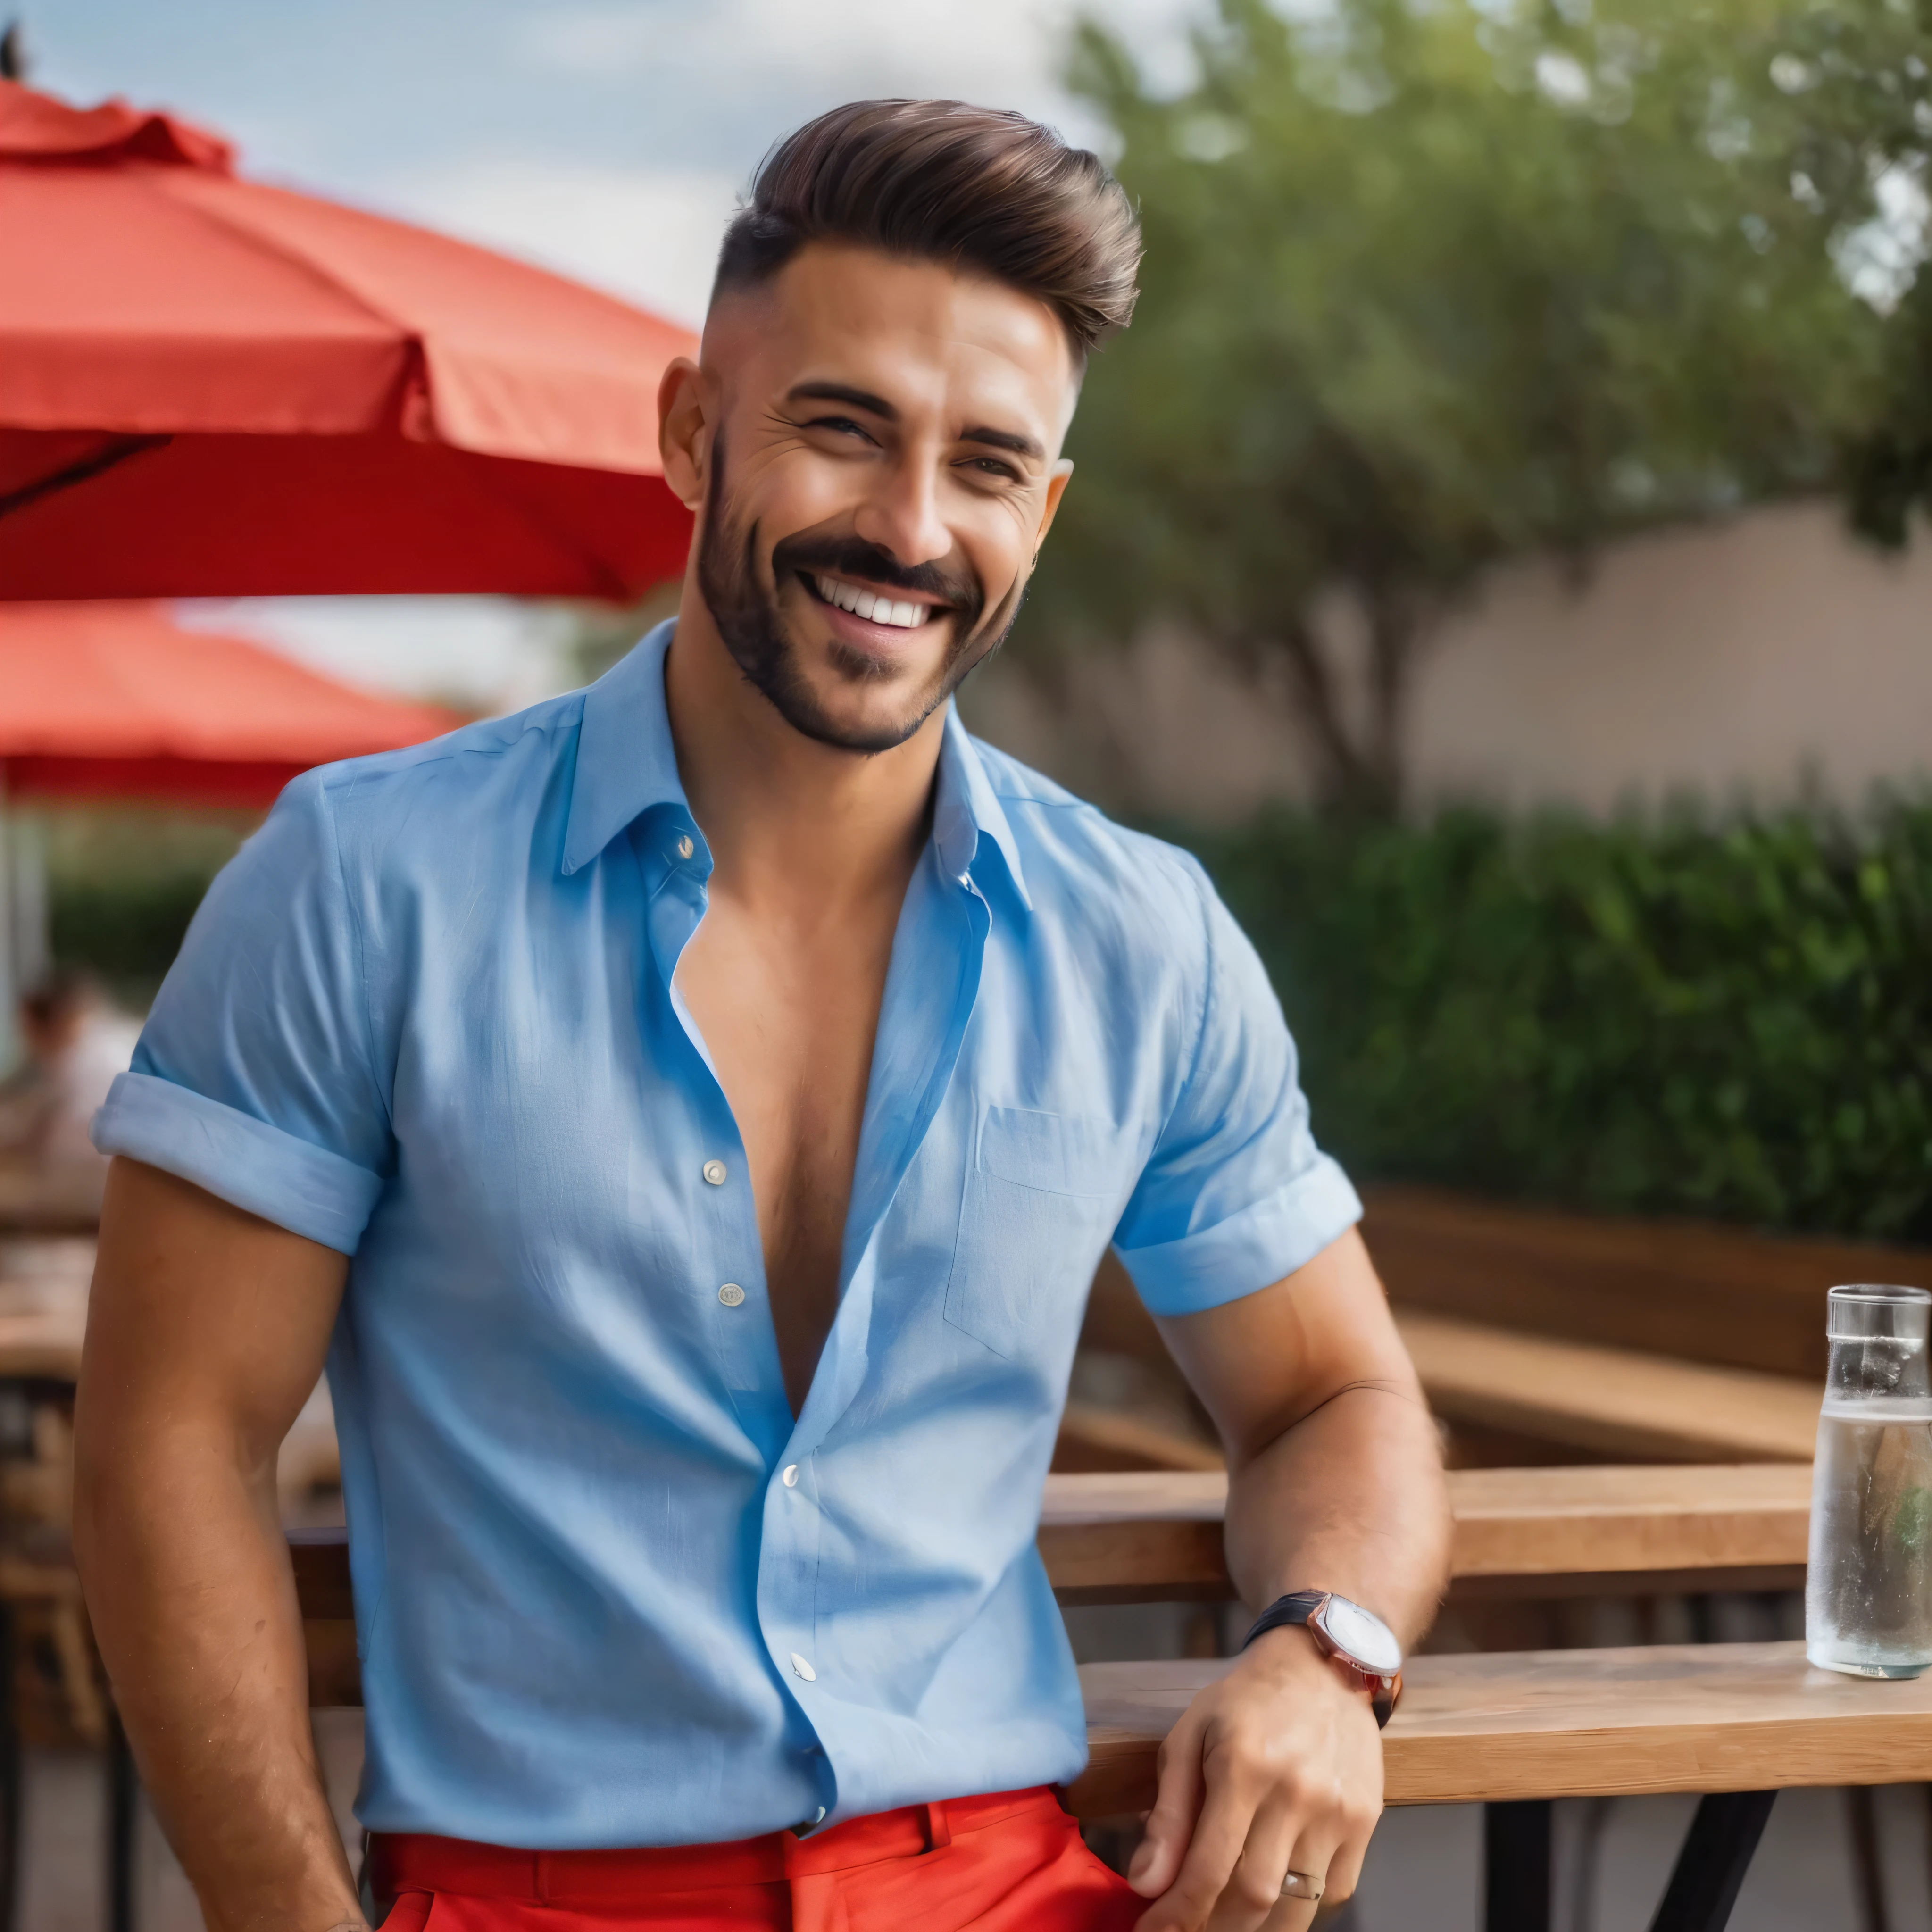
(1277, 1768)
(1334, 1482)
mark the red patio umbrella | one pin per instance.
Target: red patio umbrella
(117, 701)
(212, 387)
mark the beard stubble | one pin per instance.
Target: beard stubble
(753, 627)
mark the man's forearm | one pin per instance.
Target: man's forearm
(193, 1602)
(1350, 1499)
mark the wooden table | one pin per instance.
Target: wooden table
(1565, 1724)
(43, 1285)
(1735, 1722)
(1589, 1530)
(1510, 1731)
(40, 1348)
(36, 1203)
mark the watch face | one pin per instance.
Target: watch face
(1363, 1635)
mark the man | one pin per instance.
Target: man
(76, 1043)
(689, 1114)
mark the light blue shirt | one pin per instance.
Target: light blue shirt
(608, 1590)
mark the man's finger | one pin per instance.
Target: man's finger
(1220, 1832)
(1171, 1823)
(1253, 1889)
(1314, 1856)
(1345, 1868)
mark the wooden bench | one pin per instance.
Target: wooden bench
(1589, 1530)
(1584, 1530)
(1521, 1392)
(1157, 1538)
(1735, 1722)
(1608, 1401)
(1700, 1292)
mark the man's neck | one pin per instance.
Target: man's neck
(784, 815)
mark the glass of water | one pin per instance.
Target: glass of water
(1868, 1588)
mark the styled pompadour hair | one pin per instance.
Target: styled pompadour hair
(976, 188)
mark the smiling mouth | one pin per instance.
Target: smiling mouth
(876, 606)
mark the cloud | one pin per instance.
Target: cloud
(992, 45)
(1006, 52)
(650, 235)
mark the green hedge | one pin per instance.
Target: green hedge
(124, 881)
(126, 931)
(1671, 1016)
(1676, 1015)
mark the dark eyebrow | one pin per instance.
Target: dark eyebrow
(1004, 438)
(843, 392)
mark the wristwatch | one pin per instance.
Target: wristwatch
(1362, 1645)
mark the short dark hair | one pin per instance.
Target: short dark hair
(974, 188)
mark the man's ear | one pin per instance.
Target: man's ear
(684, 430)
(1056, 488)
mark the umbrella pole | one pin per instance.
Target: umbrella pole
(33, 940)
(25, 955)
(10, 985)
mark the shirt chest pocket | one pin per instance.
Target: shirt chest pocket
(1041, 1198)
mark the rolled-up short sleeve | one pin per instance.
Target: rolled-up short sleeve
(1236, 1193)
(254, 1077)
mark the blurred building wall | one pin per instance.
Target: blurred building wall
(1757, 656)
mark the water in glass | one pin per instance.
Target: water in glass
(1868, 1588)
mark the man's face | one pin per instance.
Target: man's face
(882, 464)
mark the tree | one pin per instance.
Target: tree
(1428, 285)
(1880, 82)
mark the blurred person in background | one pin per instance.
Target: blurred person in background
(77, 1042)
(689, 1114)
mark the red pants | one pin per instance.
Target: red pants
(1009, 1863)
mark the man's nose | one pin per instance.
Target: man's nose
(901, 514)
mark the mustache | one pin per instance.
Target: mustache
(853, 556)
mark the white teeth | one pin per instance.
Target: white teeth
(870, 605)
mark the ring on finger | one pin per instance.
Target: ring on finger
(1302, 1885)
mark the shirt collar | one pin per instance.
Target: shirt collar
(967, 809)
(626, 764)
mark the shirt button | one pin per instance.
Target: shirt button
(685, 847)
(731, 1294)
(802, 1668)
(791, 1475)
(714, 1172)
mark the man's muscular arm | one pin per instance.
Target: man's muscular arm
(206, 1332)
(1335, 1482)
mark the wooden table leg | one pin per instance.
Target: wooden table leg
(1867, 1861)
(1711, 1868)
(10, 1776)
(1515, 1865)
(124, 1794)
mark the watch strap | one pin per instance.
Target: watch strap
(1298, 1607)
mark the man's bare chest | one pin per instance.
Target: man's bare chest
(789, 1030)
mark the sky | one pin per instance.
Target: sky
(607, 139)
